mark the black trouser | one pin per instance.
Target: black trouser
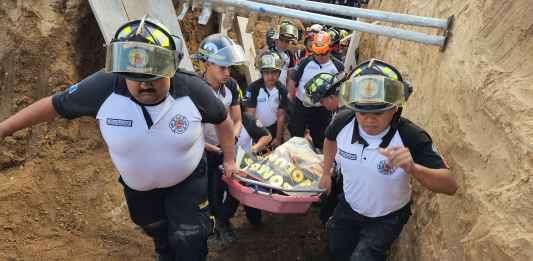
(314, 118)
(223, 205)
(177, 217)
(354, 237)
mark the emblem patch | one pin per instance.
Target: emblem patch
(179, 124)
(138, 57)
(382, 170)
(119, 122)
(368, 88)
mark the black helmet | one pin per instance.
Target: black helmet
(335, 35)
(374, 86)
(271, 38)
(221, 50)
(320, 86)
(288, 31)
(144, 50)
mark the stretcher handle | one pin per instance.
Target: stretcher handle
(255, 182)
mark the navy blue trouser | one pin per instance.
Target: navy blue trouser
(223, 205)
(177, 217)
(354, 237)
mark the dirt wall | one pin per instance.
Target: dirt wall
(476, 99)
(59, 197)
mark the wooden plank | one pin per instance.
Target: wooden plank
(350, 61)
(110, 14)
(226, 22)
(248, 45)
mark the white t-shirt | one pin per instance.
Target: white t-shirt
(147, 157)
(368, 188)
(228, 93)
(267, 106)
(266, 101)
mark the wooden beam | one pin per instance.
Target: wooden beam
(110, 14)
(248, 45)
(350, 61)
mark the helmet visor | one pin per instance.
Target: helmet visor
(227, 56)
(137, 58)
(371, 93)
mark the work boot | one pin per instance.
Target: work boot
(224, 234)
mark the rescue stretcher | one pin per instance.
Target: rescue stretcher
(270, 198)
(284, 182)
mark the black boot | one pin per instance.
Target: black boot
(224, 234)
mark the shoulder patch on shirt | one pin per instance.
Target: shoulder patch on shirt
(179, 124)
(72, 89)
(347, 155)
(119, 122)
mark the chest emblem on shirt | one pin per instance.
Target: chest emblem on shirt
(383, 170)
(179, 124)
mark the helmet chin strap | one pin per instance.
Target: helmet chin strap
(395, 122)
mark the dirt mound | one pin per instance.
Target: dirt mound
(476, 99)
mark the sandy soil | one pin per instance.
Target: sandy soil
(476, 99)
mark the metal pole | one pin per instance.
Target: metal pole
(337, 22)
(361, 12)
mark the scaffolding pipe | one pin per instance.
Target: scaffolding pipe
(337, 22)
(362, 13)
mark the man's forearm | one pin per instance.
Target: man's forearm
(330, 149)
(436, 180)
(261, 143)
(291, 88)
(280, 128)
(40, 111)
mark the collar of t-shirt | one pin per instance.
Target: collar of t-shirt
(372, 140)
(156, 109)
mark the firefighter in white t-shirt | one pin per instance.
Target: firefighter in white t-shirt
(218, 53)
(377, 152)
(266, 98)
(302, 114)
(151, 116)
